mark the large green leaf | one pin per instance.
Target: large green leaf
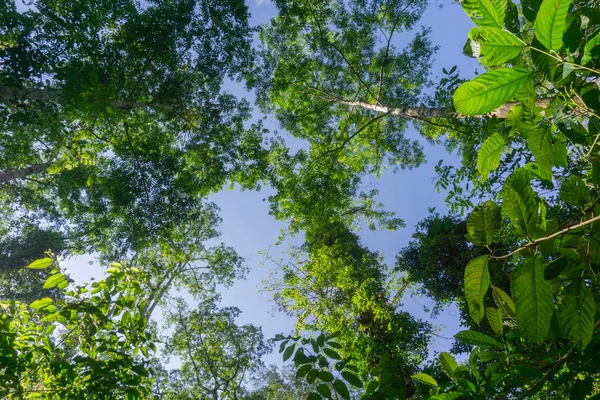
(488, 157)
(483, 223)
(341, 389)
(544, 146)
(518, 200)
(550, 23)
(56, 280)
(574, 191)
(494, 317)
(489, 91)
(424, 378)
(352, 379)
(485, 12)
(534, 300)
(576, 313)
(475, 338)
(42, 303)
(477, 282)
(503, 300)
(494, 46)
(447, 363)
(591, 49)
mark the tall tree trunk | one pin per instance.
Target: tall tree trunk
(419, 113)
(23, 172)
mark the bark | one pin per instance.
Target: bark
(23, 172)
(420, 113)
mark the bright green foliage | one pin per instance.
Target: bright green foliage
(550, 23)
(486, 13)
(484, 223)
(490, 90)
(494, 46)
(477, 282)
(84, 344)
(520, 204)
(488, 158)
(576, 313)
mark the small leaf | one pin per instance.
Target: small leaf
(41, 263)
(483, 223)
(533, 300)
(41, 303)
(424, 378)
(312, 375)
(303, 370)
(475, 338)
(332, 353)
(325, 376)
(494, 316)
(576, 313)
(447, 363)
(55, 280)
(288, 352)
(550, 23)
(490, 90)
(372, 387)
(352, 379)
(324, 390)
(341, 389)
(477, 282)
(314, 396)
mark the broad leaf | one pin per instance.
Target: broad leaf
(42, 303)
(550, 23)
(475, 338)
(490, 90)
(544, 146)
(288, 352)
(494, 317)
(41, 263)
(591, 49)
(574, 191)
(332, 353)
(325, 376)
(576, 313)
(424, 378)
(477, 282)
(485, 12)
(520, 204)
(324, 390)
(503, 300)
(488, 156)
(341, 389)
(533, 300)
(352, 379)
(483, 223)
(56, 280)
(494, 46)
(447, 363)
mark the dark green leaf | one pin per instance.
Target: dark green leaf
(324, 390)
(554, 269)
(341, 389)
(475, 338)
(352, 379)
(576, 313)
(325, 376)
(520, 204)
(332, 353)
(288, 352)
(574, 191)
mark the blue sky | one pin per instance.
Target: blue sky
(249, 229)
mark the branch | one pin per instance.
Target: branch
(537, 241)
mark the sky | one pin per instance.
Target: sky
(248, 227)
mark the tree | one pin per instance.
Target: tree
(217, 355)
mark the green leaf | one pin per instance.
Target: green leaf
(332, 353)
(475, 338)
(494, 317)
(488, 156)
(485, 12)
(520, 204)
(544, 146)
(477, 282)
(576, 313)
(534, 300)
(372, 387)
(574, 191)
(424, 378)
(503, 300)
(589, 47)
(554, 269)
(490, 90)
(288, 352)
(447, 363)
(447, 396)
(312, 375)
(550, 22)
(303, 370)
(324, 390)
(41, 303)
(341, 389)
(483, 223)
(494, 46)
(55, 280)
(314, 396)
(352, 379)
(41, 263)
(325, 376)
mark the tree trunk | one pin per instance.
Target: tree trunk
(420, 113)
(23, 172)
